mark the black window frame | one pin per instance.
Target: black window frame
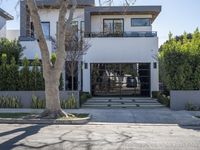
(113, 19)
(132, 25)
(82, 26)
(49, 28)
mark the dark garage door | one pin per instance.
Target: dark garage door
(130, 79)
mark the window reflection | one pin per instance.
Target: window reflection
(121, 79)
(46, 29)
(140, 22)
(113, 26)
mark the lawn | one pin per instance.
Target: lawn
(13, 115)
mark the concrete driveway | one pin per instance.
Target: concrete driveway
(143, 116)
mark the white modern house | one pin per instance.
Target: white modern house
(121, 60)
(4, 17)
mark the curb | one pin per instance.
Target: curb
(80, 121)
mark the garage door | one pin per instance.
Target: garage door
(130, 79)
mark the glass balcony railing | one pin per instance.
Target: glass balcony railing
(122, 34)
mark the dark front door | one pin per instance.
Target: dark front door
(130, 79)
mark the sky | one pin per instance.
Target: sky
(177, 16)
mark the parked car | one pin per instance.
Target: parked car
(131, 82)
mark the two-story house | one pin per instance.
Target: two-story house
(122, 58)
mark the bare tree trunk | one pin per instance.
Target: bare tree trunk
(51, 73)
(53, 107)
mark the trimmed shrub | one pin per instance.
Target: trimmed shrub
(70, 103)
(190, 107)
(84, 96)
(10, 102)
(163, 99)
(37, 103)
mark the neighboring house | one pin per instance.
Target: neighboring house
(122, 57)
(12, 34)
(4, 17)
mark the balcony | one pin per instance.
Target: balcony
(124, 34)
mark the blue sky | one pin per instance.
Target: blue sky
(177, 16)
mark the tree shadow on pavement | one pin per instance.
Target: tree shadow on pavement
(26, 132)
(196, 128)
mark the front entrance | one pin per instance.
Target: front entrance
(130, 79)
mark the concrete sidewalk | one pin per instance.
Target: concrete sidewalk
(135, 116)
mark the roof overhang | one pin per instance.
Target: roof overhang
(124, 10)
(6, 15)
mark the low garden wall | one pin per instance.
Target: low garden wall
(180, 100)
(26, 96)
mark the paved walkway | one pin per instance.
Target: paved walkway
(135, 116)
(99, 137)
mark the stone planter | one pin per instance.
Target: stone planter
(179, 99)
(26, 96)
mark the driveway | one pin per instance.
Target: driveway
(113, 136)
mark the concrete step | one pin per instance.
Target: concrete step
(116, 102)
(148, 104)
(124, 101)
(119, 106)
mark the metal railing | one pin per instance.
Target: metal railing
(122, 34)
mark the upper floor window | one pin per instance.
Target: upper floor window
(75, 26)
(113, 26)
(46, 29)
(140, 22)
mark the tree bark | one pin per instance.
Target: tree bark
(51, 73)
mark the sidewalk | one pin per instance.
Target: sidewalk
(135, 116)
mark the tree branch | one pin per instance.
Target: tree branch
(63, 28)
(40, 36)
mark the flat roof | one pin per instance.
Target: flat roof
(6, 15)
(124, 10)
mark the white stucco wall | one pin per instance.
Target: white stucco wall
(122, 50)
(32, 49)
(97, 22)
(51, 15)
(48, 15)
(2, 27)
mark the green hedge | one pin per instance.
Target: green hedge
(28, 77)
(179, 59)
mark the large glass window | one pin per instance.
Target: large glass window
(113, 26)
(140, 22)
(46, 29)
